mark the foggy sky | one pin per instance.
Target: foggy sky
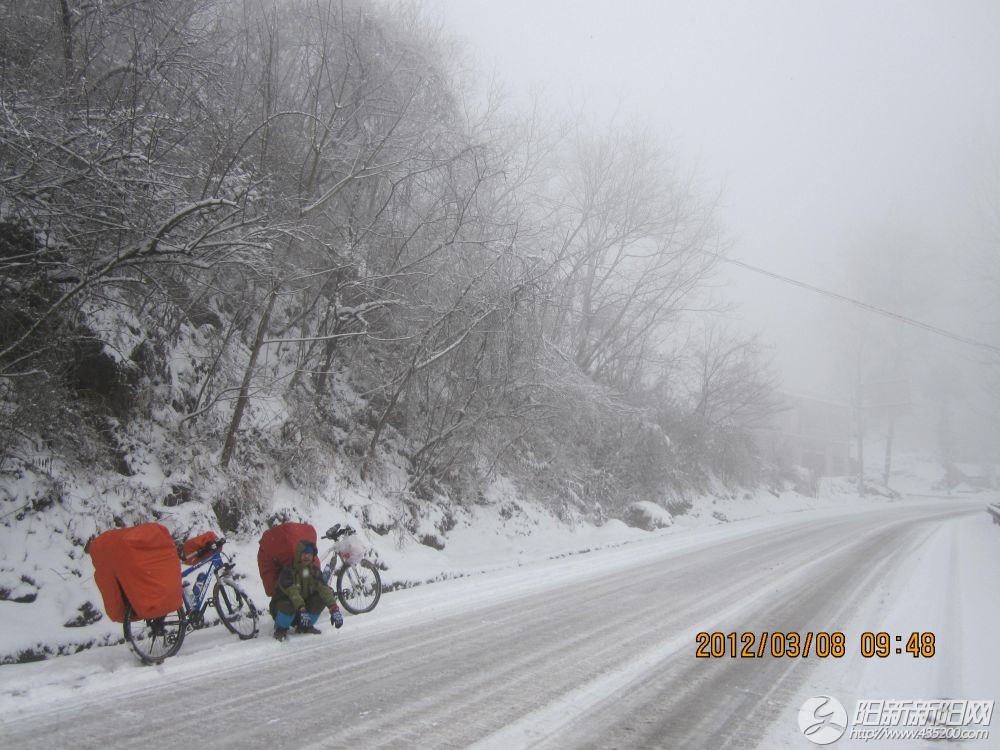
(832, 128)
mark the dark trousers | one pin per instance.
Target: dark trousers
(281, 603)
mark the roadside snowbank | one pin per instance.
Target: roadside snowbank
(43, 564)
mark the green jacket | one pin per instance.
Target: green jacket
(298, 583)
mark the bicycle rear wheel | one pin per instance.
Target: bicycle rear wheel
(157, 639)
(237, 612)
(359, 587)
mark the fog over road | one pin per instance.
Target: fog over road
(595, 650)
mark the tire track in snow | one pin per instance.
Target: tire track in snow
(668, 675)
(448, 674)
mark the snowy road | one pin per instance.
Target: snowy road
(595, 650)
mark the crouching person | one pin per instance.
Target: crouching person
(302, 595)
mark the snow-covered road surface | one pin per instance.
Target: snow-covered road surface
(595, 650)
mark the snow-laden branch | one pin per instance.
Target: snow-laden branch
(145, 249)
(457, 342)
(309, 339)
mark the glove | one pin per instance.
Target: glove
(301, 618)
(336, 618)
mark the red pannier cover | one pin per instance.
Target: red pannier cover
(196, 543)
(140, 564)
(277, 548)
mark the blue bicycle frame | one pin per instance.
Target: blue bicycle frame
(202, 600)
(218, 581)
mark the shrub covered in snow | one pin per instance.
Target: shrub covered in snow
(648, 516)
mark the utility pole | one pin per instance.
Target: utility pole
(860, 420)
(888, 446)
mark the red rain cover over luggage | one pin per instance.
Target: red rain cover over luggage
(277, 548)
(139, 563)
(196, 543)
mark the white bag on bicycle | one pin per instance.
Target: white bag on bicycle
(350, 548)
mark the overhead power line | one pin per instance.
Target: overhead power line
(863, 305)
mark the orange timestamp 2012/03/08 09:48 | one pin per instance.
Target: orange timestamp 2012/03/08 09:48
(750, 645)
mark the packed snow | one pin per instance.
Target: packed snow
(505, 550)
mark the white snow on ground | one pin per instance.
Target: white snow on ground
(948, 587)
(47, 685)
(28, 687)
(503, 550)
(39, 557)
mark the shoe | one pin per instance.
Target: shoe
(308, 629)
(281, 634)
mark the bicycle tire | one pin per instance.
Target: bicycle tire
(236, 610)
(364, 587)
(154, 640)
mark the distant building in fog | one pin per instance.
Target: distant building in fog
(810, 432)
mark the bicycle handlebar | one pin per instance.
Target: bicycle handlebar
(336, 531)
(214, 546)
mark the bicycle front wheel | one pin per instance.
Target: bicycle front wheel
(359, 587)
(157, 639)
(236, 611)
